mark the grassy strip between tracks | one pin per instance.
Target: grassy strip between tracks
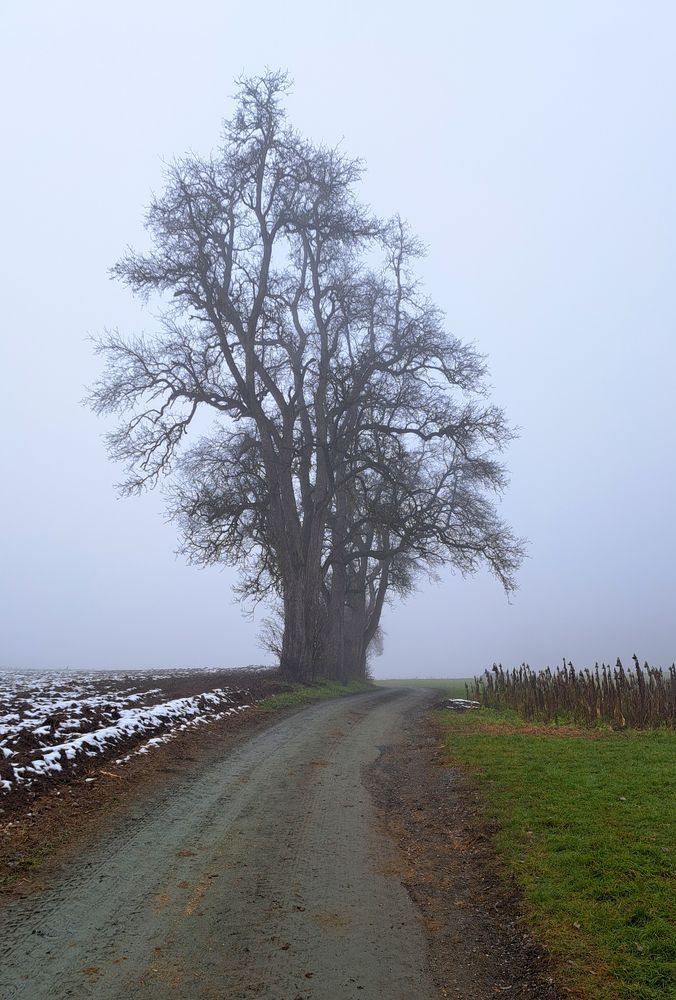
(585, 825)
(304, 694)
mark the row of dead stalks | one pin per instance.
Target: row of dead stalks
(641, 697)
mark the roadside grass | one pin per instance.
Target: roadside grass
(585, 824)
(303, 694)
(453, 687)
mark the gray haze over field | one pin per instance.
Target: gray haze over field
(533, 149)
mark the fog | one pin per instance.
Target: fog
(532, 148)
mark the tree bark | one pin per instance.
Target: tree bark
(297, 660)
(354, 648)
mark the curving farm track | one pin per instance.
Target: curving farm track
(262, 875)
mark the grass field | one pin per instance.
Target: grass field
(452, 688)
(586, 826)
(304, 694)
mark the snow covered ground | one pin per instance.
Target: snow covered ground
(54, 721)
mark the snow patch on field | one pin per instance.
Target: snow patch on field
(53, 722)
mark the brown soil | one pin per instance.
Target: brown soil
(479, 944)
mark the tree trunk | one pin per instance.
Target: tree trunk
(334, 660)
(298, 656)
(354, 648)
(303, 619)
(332, 654)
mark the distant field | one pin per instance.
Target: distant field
(453, 687)
(586, 827)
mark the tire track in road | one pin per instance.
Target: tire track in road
(263, 876)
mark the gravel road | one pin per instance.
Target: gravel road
(263, 875)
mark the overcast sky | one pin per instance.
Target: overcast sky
(530, 145)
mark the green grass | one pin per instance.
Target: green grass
(453, 687)
(300, 694)
(586, 828)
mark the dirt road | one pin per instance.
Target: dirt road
(262, 876)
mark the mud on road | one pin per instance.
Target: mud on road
(263, 874)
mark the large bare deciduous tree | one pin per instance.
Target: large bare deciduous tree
(353, 442)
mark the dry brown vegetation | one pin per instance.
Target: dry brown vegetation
(642, 697)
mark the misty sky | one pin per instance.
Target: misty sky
(532, 147)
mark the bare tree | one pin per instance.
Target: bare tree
(352, 430)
